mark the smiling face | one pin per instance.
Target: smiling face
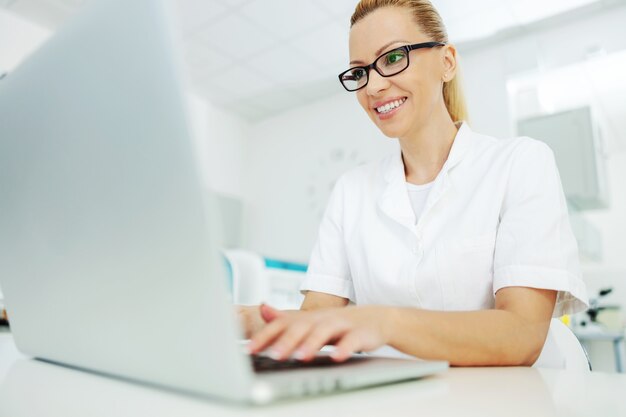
(403, 103)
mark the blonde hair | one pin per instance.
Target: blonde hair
(430, 22)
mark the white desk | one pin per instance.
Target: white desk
(33, 388)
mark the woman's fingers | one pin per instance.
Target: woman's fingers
(285, 345)
(321, 335)
(351, 342)
(247, 316)
(304, 334)
(266, 336)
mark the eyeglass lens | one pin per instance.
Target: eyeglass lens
(387, 65)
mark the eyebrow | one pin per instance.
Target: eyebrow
(385, 46)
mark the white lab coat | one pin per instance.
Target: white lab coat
(495, 217)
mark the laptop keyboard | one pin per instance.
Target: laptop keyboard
(267, 364)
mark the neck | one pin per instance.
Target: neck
(426, 149)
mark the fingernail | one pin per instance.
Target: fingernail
(299, 355)
(274, 354)
(336, 354)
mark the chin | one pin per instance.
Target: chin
(391, 131)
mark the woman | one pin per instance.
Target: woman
(457, 248)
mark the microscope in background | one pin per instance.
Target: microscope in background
(602, 323)
(610, 318)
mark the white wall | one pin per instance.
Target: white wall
(220, 139)
(293, 160)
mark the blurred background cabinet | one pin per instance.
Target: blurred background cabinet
(576, 140)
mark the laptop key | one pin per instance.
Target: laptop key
(266, 364)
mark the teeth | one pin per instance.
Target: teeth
(390, 106)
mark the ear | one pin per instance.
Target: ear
(449, 63)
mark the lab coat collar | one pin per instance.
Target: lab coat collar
(393, 169)
(394, 200)
(460, 146)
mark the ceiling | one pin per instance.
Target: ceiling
(259, 57)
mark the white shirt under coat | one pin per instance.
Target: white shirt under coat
(495, 217)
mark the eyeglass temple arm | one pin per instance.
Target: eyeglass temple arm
(425, 45)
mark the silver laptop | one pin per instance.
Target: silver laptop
(108, 257)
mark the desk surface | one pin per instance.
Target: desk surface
(33, 388)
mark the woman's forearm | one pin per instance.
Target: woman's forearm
(317, 300)
(475, 338)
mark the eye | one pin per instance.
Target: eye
(394, 57)
(358, 73)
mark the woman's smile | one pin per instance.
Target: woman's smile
(388, 108)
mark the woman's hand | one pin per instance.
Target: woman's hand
(250, 319)
(302, 334)
(254, 318)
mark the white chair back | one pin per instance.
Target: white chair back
(255, 283)
(251, 284)
(562, 350)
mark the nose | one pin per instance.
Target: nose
(376, 83)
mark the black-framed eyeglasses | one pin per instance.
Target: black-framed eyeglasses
(388, 64)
